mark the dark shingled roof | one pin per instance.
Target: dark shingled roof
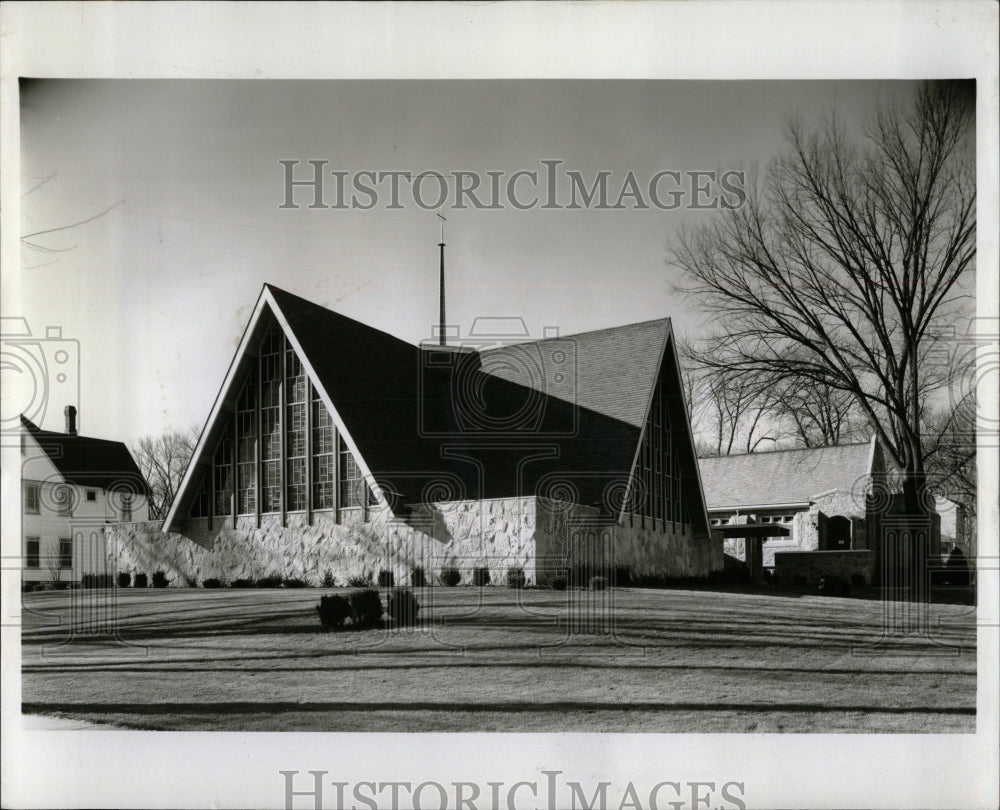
(432, 420)
(783, 476)
(89, 462)
(561, 415)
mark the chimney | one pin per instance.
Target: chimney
(70, 413)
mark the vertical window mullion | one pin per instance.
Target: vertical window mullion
(282, 425)
(310, 450)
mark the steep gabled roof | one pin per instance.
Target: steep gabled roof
(783, 477)
(443, 423)
(88, 462)
(610, 371)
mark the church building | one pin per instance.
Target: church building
(335, 451)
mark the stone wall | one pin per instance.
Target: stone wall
(573, 534)
(497, 534)
(813, 565)
(528, 533)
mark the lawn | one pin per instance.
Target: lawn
(496, 659)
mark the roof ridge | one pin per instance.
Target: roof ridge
(787, 450)
(55, 434)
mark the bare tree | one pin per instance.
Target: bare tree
(730, 411)
(162, 461)
(817, 414)
(844, 263)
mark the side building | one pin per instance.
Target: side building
(335, 451)
(72, 488)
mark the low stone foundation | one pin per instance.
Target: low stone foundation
(529, 533)
(814, 565)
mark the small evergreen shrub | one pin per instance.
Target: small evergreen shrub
(328, 581)
(402, 607)
(450, 576)
(834, 585)
(141, 581)
(294, 582)
(333, 611)
(96, 581)
(124, 579)
(190, 580)
(559, 582)
(481, 577)
(418, 577)
(159, 579)
(598, 583)
(360, 581)
(366, 608)
(858, 580)
(212, 582)
(270, 581)
(386, 579)
(242, 583)
(515, 578)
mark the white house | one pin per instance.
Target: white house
(72, 486)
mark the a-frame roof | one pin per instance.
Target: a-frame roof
(431, 423)
(88, 462)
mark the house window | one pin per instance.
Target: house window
(31, 499)
(32, 552)
(126, 507)
(64, 498)
(65, 552)
(92, 495)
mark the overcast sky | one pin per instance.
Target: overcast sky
(158, 289)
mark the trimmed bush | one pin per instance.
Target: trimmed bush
(333, 611)
(124, 579)
(360, 581)
(241, 583)
(270, 581)
(141, 580)
(598, 583)
(559, 583)
(481, 577)
(450, 577)
(402, 607)
(294, 582)
(160, 580)
(366, 608)
(834, 586)
(96, 581)
(328, 581)
(386, 579)
(212, 582)
(418, 577)
(515, 578)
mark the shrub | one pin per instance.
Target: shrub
(834, 585)
(159, 580)
(328, 581)
(598, 583)
(559, 582)
(418, 577)
(450, 576)
(360, 581)
(402, 607)
(957, 569)
(481, 577)
(242, 583)
(190, 580)
(621, 576)
(211, 582)
(124, 579)
(386, 579)
(333, 611)
(515, 577)
(141, 580)
(858, 580)
(294, 582)
(270, 581)
(366, 608)
(96, 581)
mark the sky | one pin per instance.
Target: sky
(182, 187)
